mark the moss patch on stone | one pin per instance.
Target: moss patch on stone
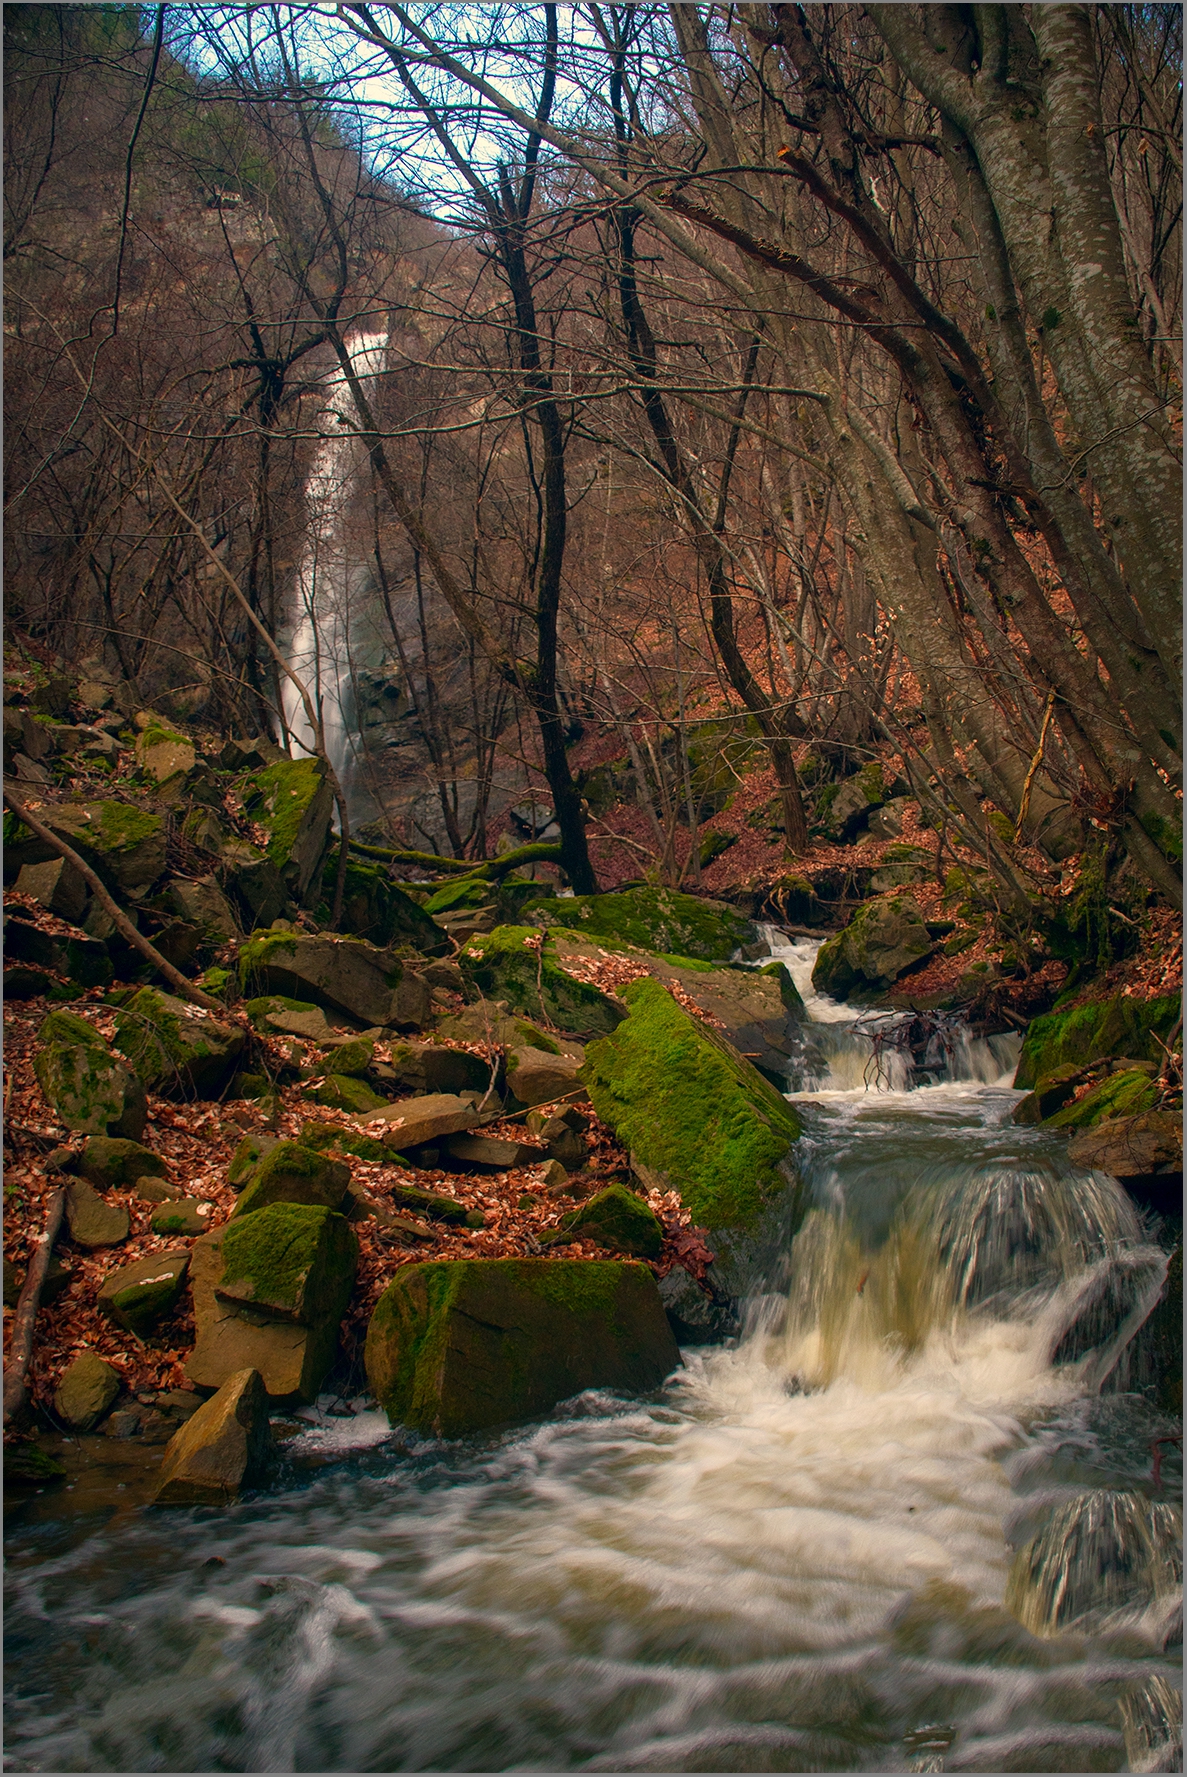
(68, 1027)
(618, 1219)
(1117, 1026)
(292, 1173)
(328, 1136)
(290, 1261)
(340, 1092)
(656, 919)
(176, 1052)
(1124, 1094)
(258, 1009)
(505, 964)
(112, 1163)
(278, 798)
(691, 1107)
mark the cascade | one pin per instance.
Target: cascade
(320, 649)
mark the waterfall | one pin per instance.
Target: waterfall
(319, 652)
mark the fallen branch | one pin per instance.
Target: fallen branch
(124, 925)
(20, 1350)
(488, 870)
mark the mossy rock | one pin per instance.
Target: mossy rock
(247, 1157)
(459, 1346)
(331, 1136)
(376, 908)
(692, 1108)
(27, 1466)
(504, 965)
(292, 800)
(124, 845)
(289, 1261)
(349, 1060)
(1124, 1094)
(178, 1050)
(368, 985)
(68, 1027)
(90, 1090)
(115, 1164)
(292, 1173)
(618, 1219)
(434, 1204)
(789, 993)
(258, 1009)
(140, 1295)
(720, 753)
(1117, 1026)
(883, 939)
(459, 893)
(340, 1092)
(656, 919)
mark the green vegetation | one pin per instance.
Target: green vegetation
(656, 919)
(1118, 1026)
(507, 964)
(294, 1261)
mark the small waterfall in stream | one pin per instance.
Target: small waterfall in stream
(320, 648)
(901, 1525)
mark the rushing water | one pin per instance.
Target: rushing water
(798, 1556)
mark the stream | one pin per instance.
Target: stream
(795, 1557)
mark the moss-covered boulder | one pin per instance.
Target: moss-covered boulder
(291, 1173)
(516, 964)
(1051, 1093)
(694, 1110)
(89, 1089)
(161, 753)
(266, 1007)
(882, 940)
(292, 800)
(183, 1217)
(140, 1295)
(1117, 1026)
(289, 1261)
(378, 909)
(179, 1050)
(1124, 1094)
(351, 1058)
(487, 1023)
(370, 986)
(855, 801)
(458, 1346)
(720, 753)
(116, 1164)
(123, 844)
(656, 919)
(247, 1157)
(614, 1218)
(341, 1092)
(200, 902)
(88, 1388)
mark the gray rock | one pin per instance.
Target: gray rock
(535, 1077)
(254, 884)
(415, 1121)
(179, 1050)
(157, 1190)
(87, 1389)
(58, 885)
(90, 1090)
(882, 940)
(497, 1156)
(202, 903)
(430, 1067)
(1146, 1146)
(108, 1162)
(184, 1216)
(92, 1222)
(366, 984)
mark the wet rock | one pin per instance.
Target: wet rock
(89, 1089)
(1150, 1145)
(292, 800)
(509, 964)
(617, 1219)
(1121, 1025)
(343, 1093)
(201, 903)
(289, 1262)
(222, 1450)
(112, 1163)
(183, 1216)
(487, 1154)
(58, 885)
(91, 1221)
(179, 1050)
(1050, 1095)
(25, 1465)
(415, 1121)
(534, 1077)
(291, 1173)
(457, 1346)
(882, 940)
(87, 1389)
(371, 986)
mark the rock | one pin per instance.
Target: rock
(291, 799)
(290, 1262)
(140, 1295)
(351, 1056)
(886, 822)
(536, 1078)
(1121, 1025)
(376, 908)
(23, 983)
(1118, 1095)
(311, 1024)
(433, 1204)
(122, 844)
(445, 975)
(161, 754)
(92, 1222)
(679, 1095)
(202, 903)
(109, 1163)
(655, 919)
(854, 802)
(490, 1022)
(555, 1179)
(247, 1157)
(249, 755)
(184, 1216)
(487, 1154)
(345, 975)
(179, 1050)
(429, 1067)
(157, 1190)
(458, 1346)
(1049, 1096)
(341, 1092)
(90, 1090)
(290, 1173)
(222, 1449)
(509, 964)
(254, 884)
(27, 1466)
(696, 1316)
(87, 1389)
(882, 940)
(58, 886)
(617, 1219)
(415, 1121)
(1150, 1145)
(53, 696)
(178, 1403)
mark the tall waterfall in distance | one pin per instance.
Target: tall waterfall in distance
(319, 650)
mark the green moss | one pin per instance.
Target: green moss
(789, 993)
(278, 797)
(688, 962)
(617, 1219)
(463, 891)
(340, 1092)
(1118, 1026)
(872, 782)
(155, 735)
(293, 1260)
(1167, 837)
(656, 919)
(290, 1173)
(378, 909)
(172, 1050)
(1125, 1094)
(352, 1058)
(330, 1136)
(258, 1009)
(504, 964)
(67, 1027)
(259, 950)
(119, 827)
(691, 1107)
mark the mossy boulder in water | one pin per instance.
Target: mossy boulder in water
(1118, 1026)
(291, 1173)
(376, 908)
(681, 1098)
(88, 1087)
(618, 1219)
(460, 1345)
(292, 800)
(656, 919)
(368, 985)
(289, 1261)
(179, 1050)
(515, 964)
(882, 940)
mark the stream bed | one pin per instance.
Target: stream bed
(795, 1557)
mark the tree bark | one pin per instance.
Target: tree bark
(20, 1350)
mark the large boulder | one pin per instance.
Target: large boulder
(289, 1262)
(614, 1218)
(536, 1077)
(291, 1173)
(58, 885)
(1124, 1094)
(140, 1295)
(1121, 1025)
(517, 964)
(376, 908)
(656, 919)
(343, 1092)
(292, 801)
(414, 1121)
(201, 902)
(89, 1089)
(179, 1050)
(856, 799)
(112, 1163)
(122, 844)
(372, 987)
(254, 884)
(695, 1111)
(221, 1449)
(458, 1346)
(87, 1389)
(883, 939)
(1141, 1147)
(431, 1067)
(162, 754)
(91, 1221)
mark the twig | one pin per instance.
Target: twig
(20, 1351)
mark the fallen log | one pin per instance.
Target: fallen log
(482, 870)
(20, 1349)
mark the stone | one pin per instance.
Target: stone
(882, 940)
(433, 1204)
(567, 1146)
(292, 800)
(290, 1262)
(415, 1121)
(617, 1219)
(123, 844)
(430, 1067)
(291, 1173)
(371, 986)
(184, 1215)
(252, 754)
(517, 965)
(59, 886)
(486, 1153)
(161, 754)
(110, 1162)
(445, 975)
(90, 1090)
(178, 1402)
(222, 1449)
(29, 771)
(254, 885)
(536, 1078)
(1149, 1145)
(201, 902)
(655, 919)
(459, 1346)
(680, 1097)
(886, 822)
(340, 1092)
(87, 1389)
(23, 983)
(1050, 1095)
(246, 1158)
(378, 909)
(490, 1022)
(1125, 1094)
(157, 1190)
(1121, 1025)
(855, 801)
(27, 943)
(312, 1025)
(351, 1056)
(179, 1050)
(93, 1223)
(140, 1295)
